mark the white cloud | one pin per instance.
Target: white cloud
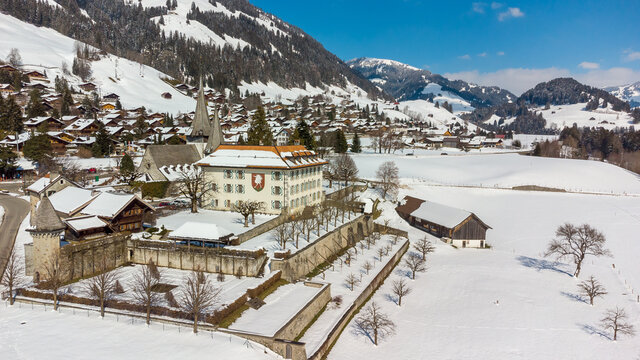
(484, 54)
(464, 57)
(512, 12)
(500, 53)
(519, 80)
(609, 77)
(478, 7)
(631, 55)
(589, 65)
(496, 5)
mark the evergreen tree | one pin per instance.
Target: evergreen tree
(304, 135)
(259, 132)
(35, 107)
(355, 144)
(140, 127)
(102, 146)
(340, 145)
(126, 166)
(7, 161)
(241, 140)
(37, 148)
(11, 116)
(67, 101)
(118, 105)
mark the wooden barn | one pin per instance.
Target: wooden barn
(454, 226)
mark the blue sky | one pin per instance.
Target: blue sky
(510, 44)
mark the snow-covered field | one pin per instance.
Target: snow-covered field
(45, 49)
(510, 302)
(28, 333)
(506, 171)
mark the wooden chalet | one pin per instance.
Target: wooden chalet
(88, 87)
(455, 226)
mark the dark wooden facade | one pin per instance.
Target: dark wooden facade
(130, 218)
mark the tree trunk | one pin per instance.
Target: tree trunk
(11, 298)
(253, 218)
(194, 206)
(577, 272)
(195, 320)
(148, 314)
(55, 300)
(246, 221)
(375, 335)
(102, 307)
(400, 300)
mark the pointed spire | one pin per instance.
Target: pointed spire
(201, 126)
(215, 137)
(46, 218)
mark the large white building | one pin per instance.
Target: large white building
(281, 177)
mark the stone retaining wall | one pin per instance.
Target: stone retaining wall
(308, 258)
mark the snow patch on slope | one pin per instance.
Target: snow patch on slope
(46, 50)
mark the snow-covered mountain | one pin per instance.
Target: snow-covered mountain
(228, 42)
(630, 93)
(406, 82)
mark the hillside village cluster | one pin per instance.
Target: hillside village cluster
(74, 128)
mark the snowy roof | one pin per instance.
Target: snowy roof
(177, 172)
(70, 199)
(109, 205)
(199, 231)
(85, 223)
(440, 214)
(39, 185)
(241, 156)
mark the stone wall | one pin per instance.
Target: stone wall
(283, 341)
(324, 349)
(91, 257)
(260, 229)
(308, 258)
(250, 263)
(297, 323)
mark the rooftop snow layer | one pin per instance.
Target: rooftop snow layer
(70, 199)
(200, 231)
(440, 214)
(85, 223)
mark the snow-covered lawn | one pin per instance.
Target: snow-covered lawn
(510, 302)
(279, 308)
(506, 171)
(232, 287)
(35, 334)
(228, 220)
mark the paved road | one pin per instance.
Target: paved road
(15, 210)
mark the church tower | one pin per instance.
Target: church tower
(201, 125)
(46, 230)
(215, 138)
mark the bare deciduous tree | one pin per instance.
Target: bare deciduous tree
(55, 272)
(13, 276)
(192, 184)
(144, 283)
(381, 252)
(424, 247)
(101, 287)
(617, 320)
(387, 174)
(344, 168)
(247, 208)
(400, 289)
(352, 281)
(373, 323)
(576, 243)
(367, 266)
(14, 59)
(198, 296)
(283, 234)
(415, 263)
(592, 289)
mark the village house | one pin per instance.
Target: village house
(278, 176)
(454, 226)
